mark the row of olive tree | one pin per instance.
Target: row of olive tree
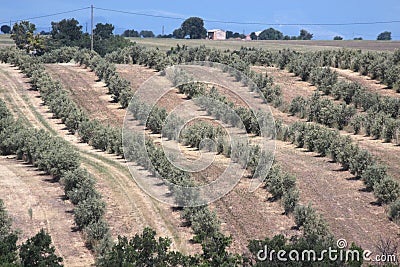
(322, 110)
(79, 184)
(383, 66)
(90, 209)
(342, 150)
(211, 242)
(158, 60)
(56, 157)
(381, 117)
(103, 137)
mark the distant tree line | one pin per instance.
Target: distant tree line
(272, 34)
(67, 32)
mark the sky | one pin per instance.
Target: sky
(265, 12)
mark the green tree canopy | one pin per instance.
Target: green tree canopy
(271, 34)
(8, 238)
(5, 29)
(238, 35)
(38, 251)
(385, 36)
(178, 34)
(24, 37)
(104, 46)
(5, 221)
(338, 38)
(305, 35)
(104, 31)
(145, 250)
(229, 34)
(130, 33)
(21, 33)
(66, 32)
(194, 27)
(147, 34)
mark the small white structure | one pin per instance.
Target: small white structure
(216, 35)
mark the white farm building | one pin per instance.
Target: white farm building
(216, 35)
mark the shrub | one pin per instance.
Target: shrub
(324, 79)
(83, 190)
(302, 214)
(298, 106)
(87, 129)
(71, 179)
(195, 133)
(126, 97)
(38, 251)
(387, 190)
(343, 151)
(156, 119)
(315, 228)
(204, 224)
(172, 126)
(373, 175)
(357, 123)
(394, 211)
(95, 232)
(360, 161)
(290, 199)
(89, 211)
(389, 129)
(145, 249)
(279, 182)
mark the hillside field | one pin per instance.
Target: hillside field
(336, 140)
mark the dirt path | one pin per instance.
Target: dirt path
(9, 87)
(373, 85)
(142, 210)
(32, 190)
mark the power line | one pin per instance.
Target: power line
(209, 20)
(140, 14)
(252, 23)
(49, 15)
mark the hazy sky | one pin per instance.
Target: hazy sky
(275, 12)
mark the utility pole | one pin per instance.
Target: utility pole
(92, 20)
(163, 30)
